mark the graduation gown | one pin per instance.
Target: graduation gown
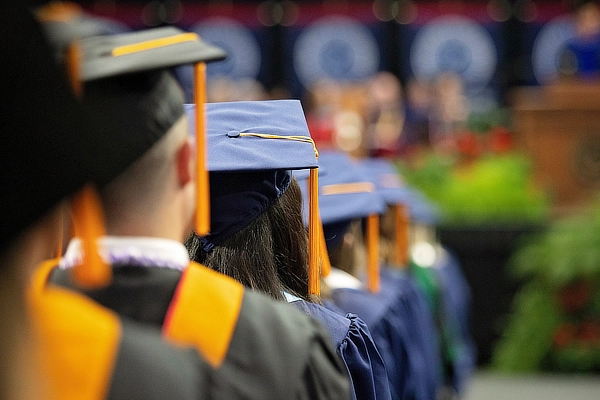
(422, 330)
(260, 349)
(87, 352)
(356, 348)
(455, 296)
(393, 322)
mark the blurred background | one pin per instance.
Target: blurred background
(491, 108)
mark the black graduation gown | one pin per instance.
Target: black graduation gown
(275, 352)
(87, 352)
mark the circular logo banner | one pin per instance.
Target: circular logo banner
(454, 43)
(243, 52)
(548, 47)
(335, 47)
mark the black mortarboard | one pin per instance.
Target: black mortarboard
(65, 21)
(48, 148)
(128, 91)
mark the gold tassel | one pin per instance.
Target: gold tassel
(373, 252)
(202, 223)
(325, 261)
(402, 224)
(88, 226)
(314, 282)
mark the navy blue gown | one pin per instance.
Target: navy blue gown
(422, 331)
(403, 330)
(456, 305)
(356, 347)
(384, 317)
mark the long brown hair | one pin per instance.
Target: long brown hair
(270, 254)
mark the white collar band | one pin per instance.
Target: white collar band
(135, 251)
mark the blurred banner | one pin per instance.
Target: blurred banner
(464, 40)
(547, 28)
(238, 30)
(342, 42)
(235, 28)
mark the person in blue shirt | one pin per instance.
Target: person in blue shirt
(581, 54)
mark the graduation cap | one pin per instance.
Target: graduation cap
(126, 88)
(345, 195)
(253, 147)
(385, 177)
(48, 146)
(64, 21)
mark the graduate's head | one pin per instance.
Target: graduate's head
(257, 234)
(127, 88)
(346, 200)
(47, 151)
(269, 253)
(155, 196)
(48, 147)
(157, 165)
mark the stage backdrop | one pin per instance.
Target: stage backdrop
(463, 40)
(344, 43)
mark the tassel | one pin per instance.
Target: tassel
(402, 224)
(73, 63)
(325, 262)
(314, 282)
(88, 225)
(373, 253)
(202, 223)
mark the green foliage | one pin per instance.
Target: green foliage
(568, 250)
(494, 189)
(555, 323)
(485, 121)
(528, 337)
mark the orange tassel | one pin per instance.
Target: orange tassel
(314, 282)
(88, 226)
(373, 253)
(402, 222)
(325, 262)
(202, 223)
(61, 235)
(73, 62)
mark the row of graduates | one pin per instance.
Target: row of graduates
(154, 324)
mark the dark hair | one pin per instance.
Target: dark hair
(269, 255)
(349, 254)
(290, 240)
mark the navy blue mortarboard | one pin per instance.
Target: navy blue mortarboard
(390, 186)
(345, 195)
(387, 180)
(127, 90)
(252, 148)
(407, 203)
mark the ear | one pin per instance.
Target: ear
(184, 159)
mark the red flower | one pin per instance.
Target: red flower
(574, 296)
(500, 140)
(468, 144)
(589, 332)
(564, 335)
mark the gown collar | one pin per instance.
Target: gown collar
(134, 251)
